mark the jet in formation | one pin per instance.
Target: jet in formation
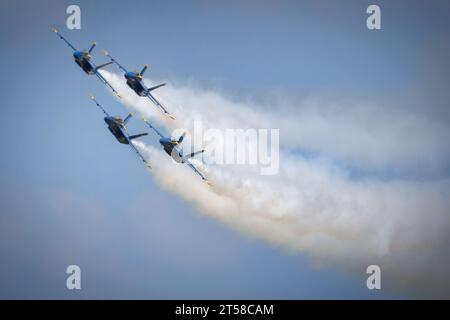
(83, 58)
(118, 128)
(173, 148)
(135, 82)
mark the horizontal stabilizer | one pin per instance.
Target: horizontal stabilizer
(193, 154)
(137, 136)
(103, 65)
(156, 87)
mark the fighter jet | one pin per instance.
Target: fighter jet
(117, 126)
(83, 58)
(135, 82)
(173, 148)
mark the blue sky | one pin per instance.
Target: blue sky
(72, 195)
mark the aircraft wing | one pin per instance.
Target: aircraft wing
(154, 129)
(139, 154)
(100, 106)
(64, 39)
(157, 103)
(97, 73)
(115, 61)
(196, 171)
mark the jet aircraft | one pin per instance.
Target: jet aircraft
(117, 126)
(135, 82)
(83, 58)
(173, 149)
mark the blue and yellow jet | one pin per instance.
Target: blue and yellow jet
(173, 149)
(83, 58)
(117, 126)
(135, 82)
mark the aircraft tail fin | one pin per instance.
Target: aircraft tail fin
(92, 47)
(128, 117)
(181, 138)
(143, 70)
(137, 136)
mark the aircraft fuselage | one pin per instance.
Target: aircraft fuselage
(172, 149)
(117, 130)
(84, 62)
(135, 83)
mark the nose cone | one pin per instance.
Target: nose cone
(77, 54)
(165, 141)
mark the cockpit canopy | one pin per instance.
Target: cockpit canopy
(82, 54)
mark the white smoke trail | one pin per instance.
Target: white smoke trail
(312, 206)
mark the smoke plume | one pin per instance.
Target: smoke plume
(356, 186)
